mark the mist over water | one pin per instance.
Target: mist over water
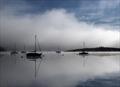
(59, 25)
(54, 28)
(59, 70)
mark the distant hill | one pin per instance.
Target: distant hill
(97, 49)
(2, 49)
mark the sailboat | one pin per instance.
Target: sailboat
(34, 54)
(58, 51)
(23, 51)
(83, 51)
(14, 51)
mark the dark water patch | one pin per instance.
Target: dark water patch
(101, 82)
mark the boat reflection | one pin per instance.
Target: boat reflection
(36, 68)
(84, 60)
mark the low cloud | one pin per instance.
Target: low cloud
(54, 28)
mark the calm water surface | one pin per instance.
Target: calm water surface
(60, 70)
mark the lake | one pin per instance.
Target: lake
(60, 70)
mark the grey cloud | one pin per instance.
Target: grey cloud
(54, 28)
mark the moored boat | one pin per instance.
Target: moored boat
(14, 51)
(34, 54)
(83, 51)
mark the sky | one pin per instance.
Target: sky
(63, 24)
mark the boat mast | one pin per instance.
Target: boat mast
(83, 44)
(15, 46)
(24, 47)
(35, 43)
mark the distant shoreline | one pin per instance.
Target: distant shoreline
(97, 49)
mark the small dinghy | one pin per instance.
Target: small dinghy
(83, 53)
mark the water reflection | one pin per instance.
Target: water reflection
(84, 60)
(55, 70)
(36, 68)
